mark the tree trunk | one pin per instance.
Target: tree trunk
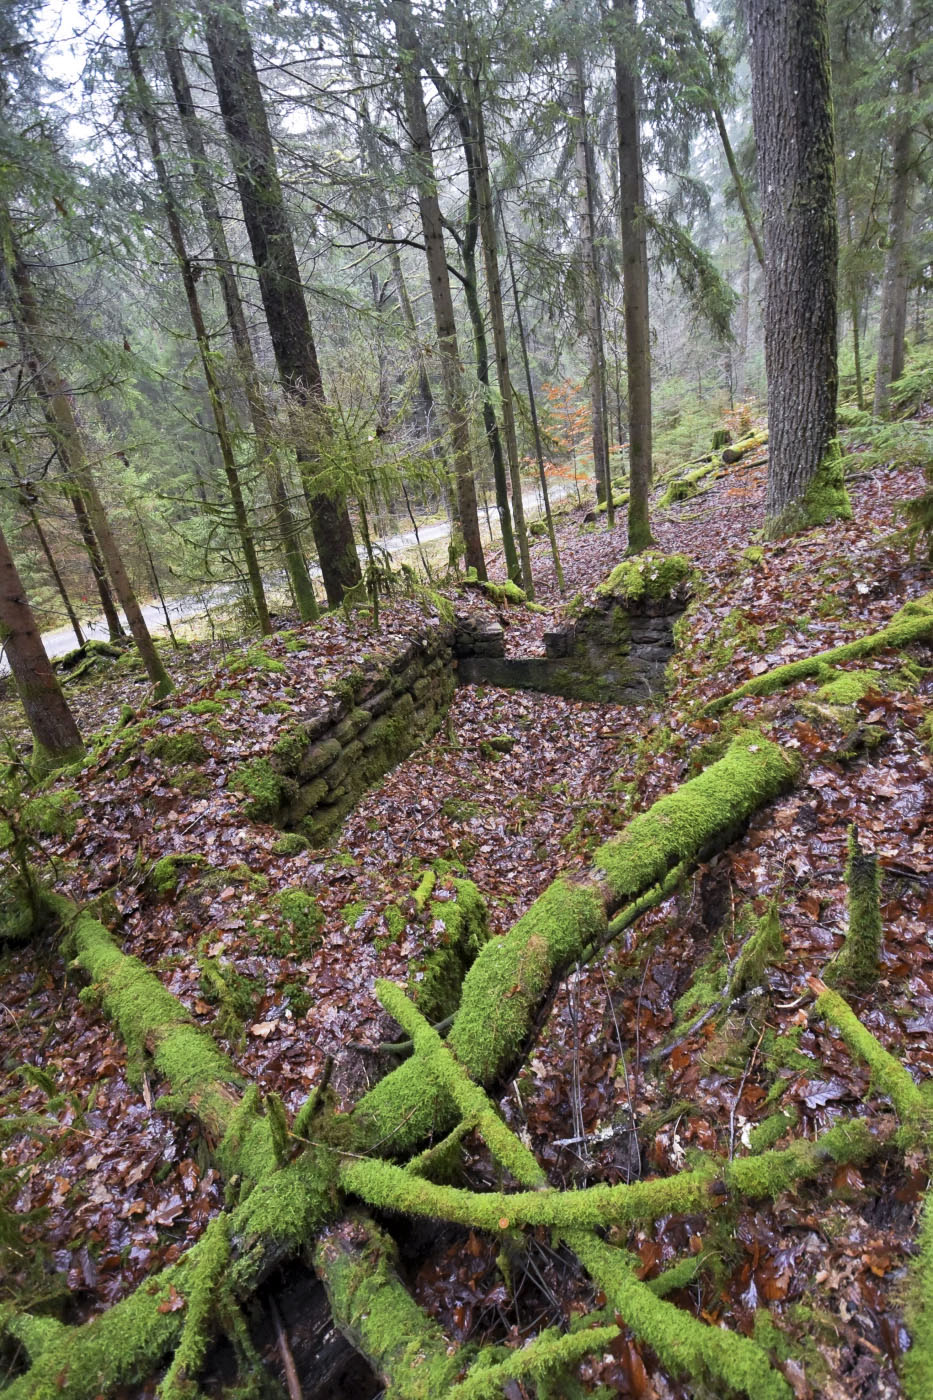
(146, 110)
(477, 321)
(490, 421)
(288, 532)
(796, 165)
(98, 568)
(26, 499)
(591, 298)
(280, 285)
(432, 230)
(728, 152)
(65, 433)
(635, 283)
(487, 225)
(533, 409)
(894, 286)
(54, 731)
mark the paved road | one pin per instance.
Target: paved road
(62, 639)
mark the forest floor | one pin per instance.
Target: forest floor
(611, 1092)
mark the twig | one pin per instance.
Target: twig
(742, 1083)
(285, 1352)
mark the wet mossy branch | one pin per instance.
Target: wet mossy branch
(684, 1345)
(548, 1358)
(153, 1023)
(912, 623)
(471, 1101)
(888, 1074)
(388, 1187)
(207, 1286)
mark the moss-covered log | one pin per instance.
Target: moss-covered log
(513, 976)
(888, 1074)
(372, 1307)
(153, 1023)
(912, 623)
(738, 450)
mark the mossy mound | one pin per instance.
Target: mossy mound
(265, 790)
(651, 575)
(177, 750)
(164, 876)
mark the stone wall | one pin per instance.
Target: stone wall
(615, 649)
(330, 759)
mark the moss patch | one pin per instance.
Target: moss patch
(177, 749)
(649, 575)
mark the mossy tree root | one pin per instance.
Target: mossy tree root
(912, 623)
(548, 1358)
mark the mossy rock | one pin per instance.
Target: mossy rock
(291, 843)
(849, 687)
(164, 876)
(266, 791)
(650, 575)
(256, 659)
(538, 528)
(176, 750)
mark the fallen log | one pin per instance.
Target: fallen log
(741, 449)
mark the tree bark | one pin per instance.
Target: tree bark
(54, 731)
(247, 128)
(98, 568)
(65, 434)
(796, 164)
(635, 282)
(487, 226)
(445, 322)
(533, 409)
(893, 325)
(591, 299)
(146, 109)
(26, 499)
(288, 532)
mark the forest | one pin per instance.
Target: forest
(466, 659)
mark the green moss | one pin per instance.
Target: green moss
(651, 574)
(849, 687)
(461, 930)
(164, 875)
(395, 920)
(304, 917)
(298, 998)
(358, 1265)
(764, 948)
(266, 790)
(888, 1075)
(424, 889)
(256, 659)
(858, 962)
(825, 498)
(290, 844)
(753, 555)
(684, 1345)
(498, 744)
(207, 1286)
(912, 623)
(151, 1021)
(205, 707)
(177, 749)
(917, 1365)
(707, 809)
(291, 746)
(232, 993)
